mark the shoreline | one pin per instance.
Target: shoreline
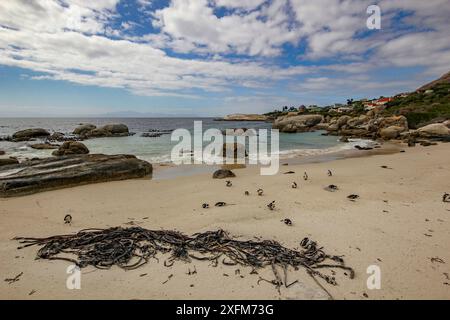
(170, 171)
(399, 223)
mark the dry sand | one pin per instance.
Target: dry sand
(399, 224)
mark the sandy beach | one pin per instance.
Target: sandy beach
(399, 223)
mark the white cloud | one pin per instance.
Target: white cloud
(69, 40)
(193, 23)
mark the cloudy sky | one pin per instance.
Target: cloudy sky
(212, 57)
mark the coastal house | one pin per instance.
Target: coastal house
(382, 101)
(376, 103)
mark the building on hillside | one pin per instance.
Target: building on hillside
(382, 101)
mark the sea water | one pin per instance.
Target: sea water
(158, 149)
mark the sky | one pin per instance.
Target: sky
(212, 57)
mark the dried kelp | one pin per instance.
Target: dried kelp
(130, 248)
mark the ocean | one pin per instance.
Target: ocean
(158, 150)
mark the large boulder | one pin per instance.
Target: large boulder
(293, 124)
(109, 130)
(391, 132)
(9, 161)
(446, 123)
(71, 148)
(223, 173)
(28, 134)
(399, 121)
(62, 172)
(84, 129)
(434, 130)
(357, 121)
(342, 121)
(333, 127)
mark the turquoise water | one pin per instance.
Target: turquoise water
(157, 150)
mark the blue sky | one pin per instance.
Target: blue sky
(212, 57)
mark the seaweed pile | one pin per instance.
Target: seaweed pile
(130, 248)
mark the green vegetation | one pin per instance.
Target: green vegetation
(422, 108)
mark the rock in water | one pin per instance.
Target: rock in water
(109, 130)
(7, 162)
(44, 146)
(223, 173)
(84, 128)
(57, 136)
(68, 171)
(28, 134)
(70, 148)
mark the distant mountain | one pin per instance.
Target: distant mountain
(134, 114)
(445, 79)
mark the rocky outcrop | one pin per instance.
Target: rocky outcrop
(294, 124)
(56, 173)
(29, 134)
(369, 126)
(434, 130)
(2, 152)
(71, 148)
(44, 146)
(223, 173)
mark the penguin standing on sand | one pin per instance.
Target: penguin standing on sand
(68, 219)
(305, 176)
(294, 185)
(330, 174)
(271, 206)
(260, 192)
(229, 184)
(446, 197)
